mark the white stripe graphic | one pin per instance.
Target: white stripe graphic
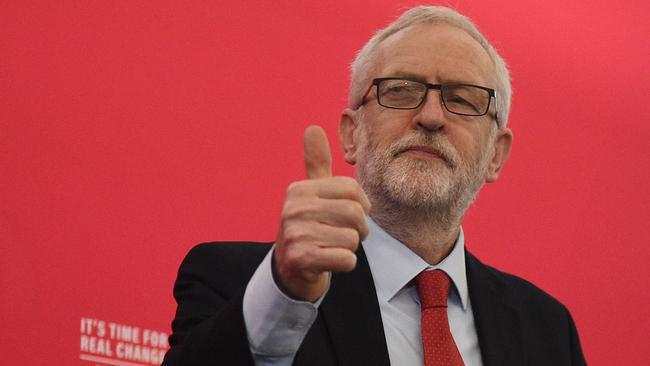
(107, 361)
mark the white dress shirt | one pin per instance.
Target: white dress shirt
(276, 324)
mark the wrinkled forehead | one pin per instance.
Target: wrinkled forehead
(437, 52)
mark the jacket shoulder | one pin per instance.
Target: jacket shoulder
(519, 290)
(547, 329)
(223, 265)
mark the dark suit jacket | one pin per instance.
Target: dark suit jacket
(517, 323)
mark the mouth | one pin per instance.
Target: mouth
(424, 152)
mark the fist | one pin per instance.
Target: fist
(322, 223)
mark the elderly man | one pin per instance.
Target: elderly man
(374, 271)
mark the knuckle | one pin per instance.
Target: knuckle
(352, 244)
(355, 212)
(292, 260)
(303, 260)
(363, 231)
(292, 209)
(297, 188)
(293, 187)
(353, 239)
(354, 187)
(294, 233)
(359, 212)
(348, 180)
(287, 211)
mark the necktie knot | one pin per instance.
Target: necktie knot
(433, 288)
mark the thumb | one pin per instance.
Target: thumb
(318, 159)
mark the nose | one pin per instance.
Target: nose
(430, 115)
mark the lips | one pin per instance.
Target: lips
(426, 152)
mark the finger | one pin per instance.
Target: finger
(323, 235)
(329, 259)
(318, 159)
(343, 213)
(340, 213)
(344, 187)
(339, 237)
(331, 188)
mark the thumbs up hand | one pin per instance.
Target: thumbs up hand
(322, 223)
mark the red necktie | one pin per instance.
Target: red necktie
(439, 346)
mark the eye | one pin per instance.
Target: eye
(463, 100)
(399, 93)
(401, 89)
(459, 100)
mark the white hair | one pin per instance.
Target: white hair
(363, 64)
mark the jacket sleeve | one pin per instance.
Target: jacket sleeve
(209, 327)
(577, 357)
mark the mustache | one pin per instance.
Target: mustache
(436, 144)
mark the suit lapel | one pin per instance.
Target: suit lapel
(497, 320)
(352, 317)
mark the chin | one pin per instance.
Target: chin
(419, 183)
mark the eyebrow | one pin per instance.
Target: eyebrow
(420, 78)
(407, 75)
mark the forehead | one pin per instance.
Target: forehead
(435, 53)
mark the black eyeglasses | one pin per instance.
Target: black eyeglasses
(462, 99)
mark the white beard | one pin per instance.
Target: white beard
(445, 187)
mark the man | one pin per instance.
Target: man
(425, 128)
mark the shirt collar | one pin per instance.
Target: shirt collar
(394, 265)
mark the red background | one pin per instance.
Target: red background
(132, 131)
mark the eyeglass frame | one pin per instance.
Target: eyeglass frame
(491, 92)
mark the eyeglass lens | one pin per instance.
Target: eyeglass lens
(457, 98)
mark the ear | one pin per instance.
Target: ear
(348, 133)
(502, 145)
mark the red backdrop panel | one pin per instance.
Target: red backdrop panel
(131, 131)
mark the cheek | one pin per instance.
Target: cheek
(471, 142)
(386, 126)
